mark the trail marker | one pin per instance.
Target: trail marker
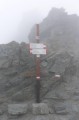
(38, 51)
(37, 46)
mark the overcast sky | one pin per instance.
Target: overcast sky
(13, 13)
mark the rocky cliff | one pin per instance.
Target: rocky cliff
(59, 30)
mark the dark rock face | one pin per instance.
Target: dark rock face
(59, 31)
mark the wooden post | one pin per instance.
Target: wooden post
(37, 68)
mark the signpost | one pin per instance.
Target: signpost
(37, 49)
(37, 46)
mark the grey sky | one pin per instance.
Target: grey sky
(12, 13)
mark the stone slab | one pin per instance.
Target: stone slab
(17, 109)
(40, 109)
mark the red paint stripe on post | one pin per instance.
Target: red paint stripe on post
(37, 33)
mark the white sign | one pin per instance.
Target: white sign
(38, 51)
(37, 45)
(58, 76)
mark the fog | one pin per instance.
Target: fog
(18, 16)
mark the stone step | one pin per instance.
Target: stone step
(17, 109)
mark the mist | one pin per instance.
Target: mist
(26, 23)
(17, 17)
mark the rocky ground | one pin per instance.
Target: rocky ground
(17, 84)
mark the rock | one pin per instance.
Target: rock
(76, 96)
(4, 117)
(42, 117)
(1, 111)
(60, 109)
(17, 109)
(75, 107)
(62, 61)
(51, 110)
(58, 31)
(40, 109)
(75, 116)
